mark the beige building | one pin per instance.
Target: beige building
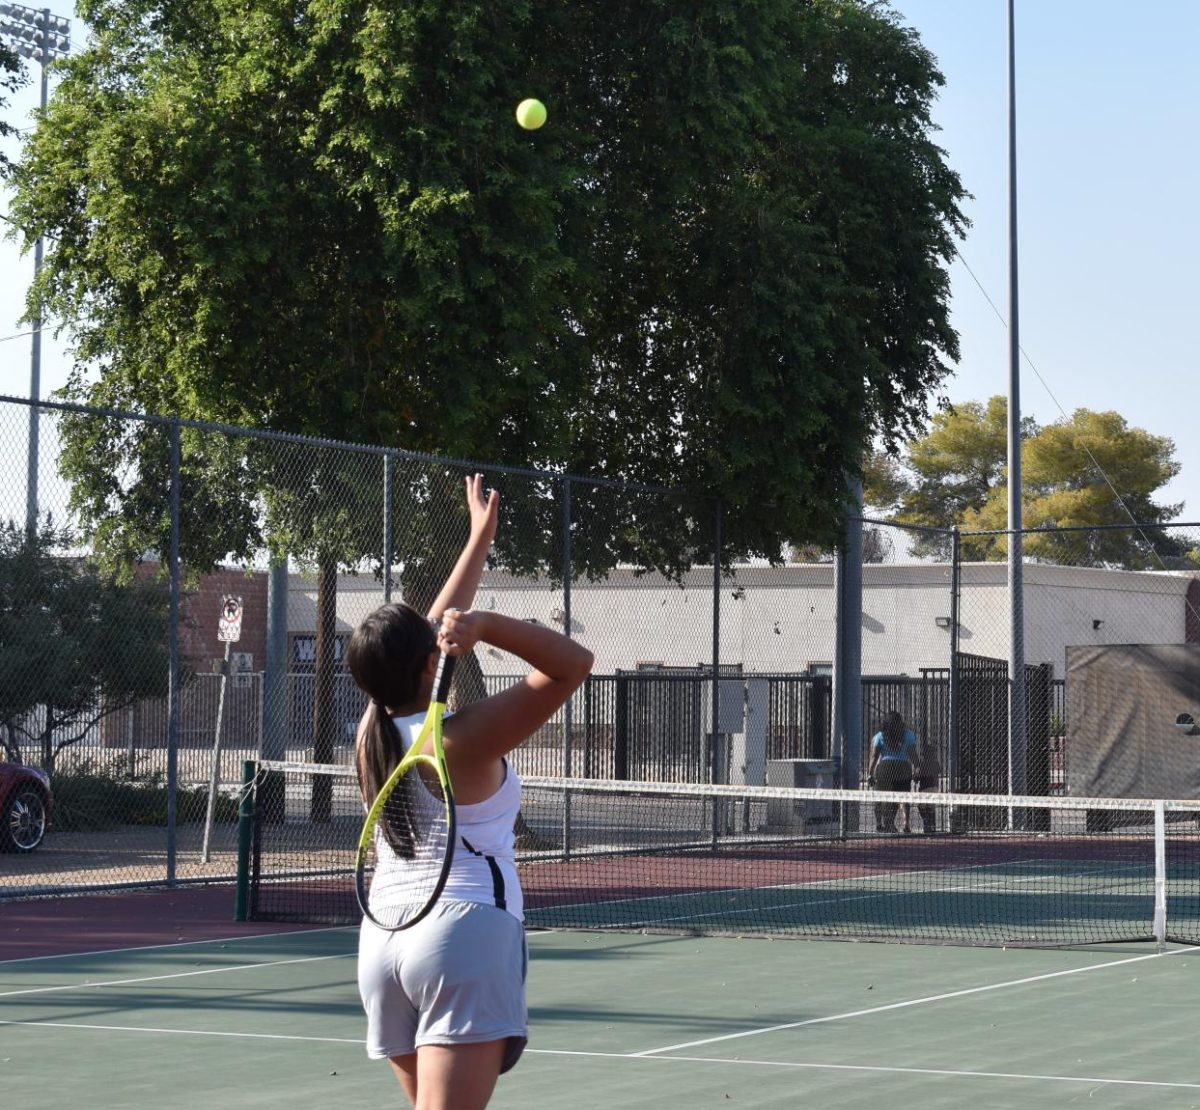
(781, 619)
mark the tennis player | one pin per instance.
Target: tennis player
(445, 1000)
(893, 751)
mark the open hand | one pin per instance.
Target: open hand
(484, 507)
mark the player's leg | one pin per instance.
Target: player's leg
(465, 971)
(405, 1069)
(458, 1077)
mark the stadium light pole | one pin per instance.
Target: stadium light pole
(1016, 703)
(35, 34)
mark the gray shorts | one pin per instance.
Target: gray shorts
(457, 977)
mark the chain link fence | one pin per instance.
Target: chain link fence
(115, 680)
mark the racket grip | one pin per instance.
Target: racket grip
(441, 680)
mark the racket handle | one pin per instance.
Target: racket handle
(441, 680)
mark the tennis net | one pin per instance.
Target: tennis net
(765, 861)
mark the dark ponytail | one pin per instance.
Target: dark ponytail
(386, 657)
(893, 732)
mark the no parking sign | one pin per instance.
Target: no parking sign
(229, 626)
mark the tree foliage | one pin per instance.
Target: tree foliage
(75, 644)
(12, 77)
(720, 266)
(1086, 471)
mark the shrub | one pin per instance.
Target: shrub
(89, 798)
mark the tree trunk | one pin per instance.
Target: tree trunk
(47, 739)
(325, 717)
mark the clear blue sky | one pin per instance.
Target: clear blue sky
(1108, 104)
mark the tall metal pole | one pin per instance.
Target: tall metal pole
(36, 34)
(35, 366)
(1016, 670)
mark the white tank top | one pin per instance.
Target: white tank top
(484, 868)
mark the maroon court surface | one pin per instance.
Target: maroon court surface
(130, 919)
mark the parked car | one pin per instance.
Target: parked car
(25, 802)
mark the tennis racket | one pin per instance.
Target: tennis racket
(407, 840)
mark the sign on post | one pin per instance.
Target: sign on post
(229, 631)
(229, 625)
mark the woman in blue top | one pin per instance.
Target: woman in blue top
(893, 750)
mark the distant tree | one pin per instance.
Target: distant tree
(884, 482)
(1087, 470)
(76, 645)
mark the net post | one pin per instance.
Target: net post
(1160, 873)
(245, 837)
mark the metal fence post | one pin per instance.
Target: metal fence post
(714, 753)
(955, 616)
(173, 658)
(568, 716)
(850, 612)
(387, 528)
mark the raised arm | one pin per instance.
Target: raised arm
(460, 587)
(496, 725)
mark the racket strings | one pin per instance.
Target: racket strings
(410, 852)
(399, 821)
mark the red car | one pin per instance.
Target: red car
(24, 807)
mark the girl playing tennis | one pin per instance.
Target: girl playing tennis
(445, 999)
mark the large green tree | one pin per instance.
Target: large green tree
(720, 265)
(1086, 471)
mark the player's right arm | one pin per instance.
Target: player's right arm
(491, 728)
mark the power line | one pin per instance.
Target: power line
(21, 334)
(1050, 393)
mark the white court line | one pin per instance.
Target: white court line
(186, 1032)
(909, 1002)
(174, 944)
(958, 1073)
(87, 985)
(707, 1060)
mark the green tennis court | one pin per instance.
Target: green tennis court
(621, 1020)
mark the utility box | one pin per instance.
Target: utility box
(807, 773)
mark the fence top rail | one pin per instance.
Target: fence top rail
(1054, 530)
(1131, 526)
(341, 445)
(904, 526)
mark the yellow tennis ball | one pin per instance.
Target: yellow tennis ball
(531, 114)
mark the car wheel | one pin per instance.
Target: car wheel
(24, 820)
